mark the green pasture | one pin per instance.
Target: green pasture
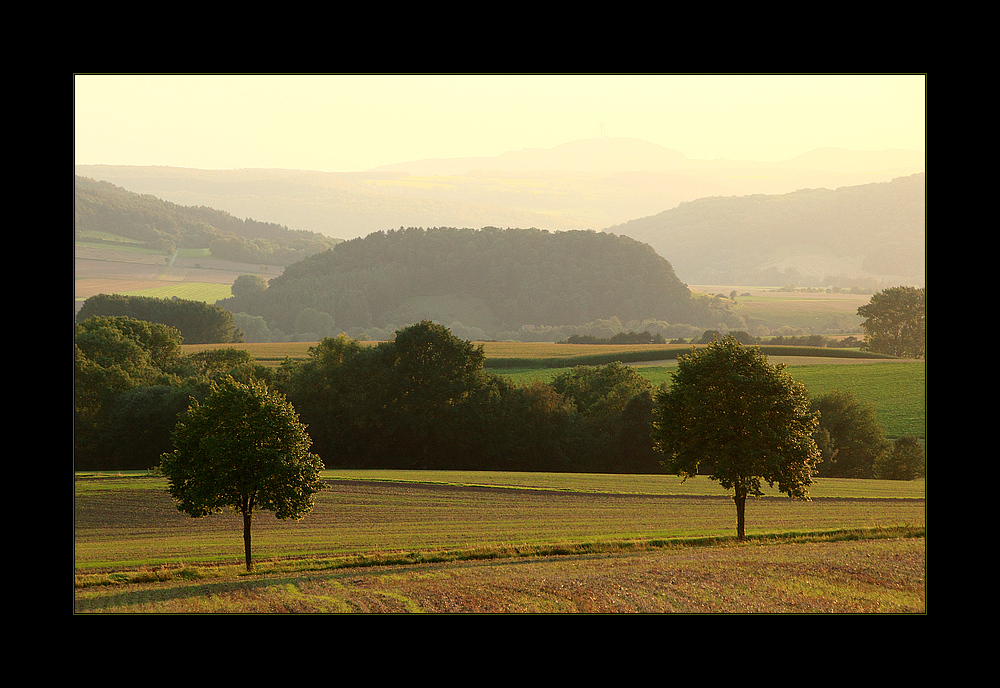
(897, 389)
(803, 310)
(129, 521)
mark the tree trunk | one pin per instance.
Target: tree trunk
(741, 507)
(247, 519)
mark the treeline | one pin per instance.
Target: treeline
(497, 281)
(630, 337)
(197, 321)
(421, 401)
(811, 340)
(163, 226)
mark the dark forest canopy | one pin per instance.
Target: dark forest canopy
(197, 321)
(163, 226)
(493, 279)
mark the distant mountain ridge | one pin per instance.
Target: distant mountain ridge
(810, 237)
(587, 184)
(144, 220)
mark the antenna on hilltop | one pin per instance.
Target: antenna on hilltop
(602, 126)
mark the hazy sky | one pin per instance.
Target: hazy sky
(341, 123)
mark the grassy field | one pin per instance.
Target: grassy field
(128, 522)
(799, 309)
(452, 541)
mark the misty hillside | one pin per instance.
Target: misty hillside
(811, 237)
(492, 279)
(586, 184)
(105, 212)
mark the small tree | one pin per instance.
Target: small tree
(730, 409)
(243, 448)
(852, 440)
(904, 462)
(895, 322)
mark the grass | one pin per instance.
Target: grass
(192, 291)
(454, 541)
(897, 390)
(130, 522)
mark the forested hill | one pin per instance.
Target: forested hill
(870, 233)
(493, 279)
(105, 210)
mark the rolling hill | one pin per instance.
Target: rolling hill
(587, 184)
(873, 233)
(491, 279)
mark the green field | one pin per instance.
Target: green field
(128, 522)
(397, 541)
(897, 390)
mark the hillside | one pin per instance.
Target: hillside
(491, 279)
(107, 214)
(587, 184)
(811, 237)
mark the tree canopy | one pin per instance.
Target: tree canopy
(849, 436)
(113, 356)
(197, 321)
(243, 448)
(492, 279)
(742, 418)
(895, 322)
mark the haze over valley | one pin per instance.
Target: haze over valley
(800, 221)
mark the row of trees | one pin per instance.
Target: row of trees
(423, 400)
(227, 433)
(197, 321)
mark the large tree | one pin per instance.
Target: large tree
(895, 322)
(613, 405)
(112, 356)
(850, 437)
(243, 448)
(744, 419)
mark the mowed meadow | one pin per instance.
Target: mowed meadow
(444, 541)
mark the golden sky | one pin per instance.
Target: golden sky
(342, 123)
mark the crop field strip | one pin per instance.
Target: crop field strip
(123, 523)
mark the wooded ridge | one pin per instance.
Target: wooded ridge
(493, 279)
(101, 207)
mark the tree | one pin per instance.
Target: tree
(246, 286)
(850, 436)
(736, 413)
(111, 356)
(243, 448)
(197, 321)
(904, 462)
(613, 411)
(895, 322)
